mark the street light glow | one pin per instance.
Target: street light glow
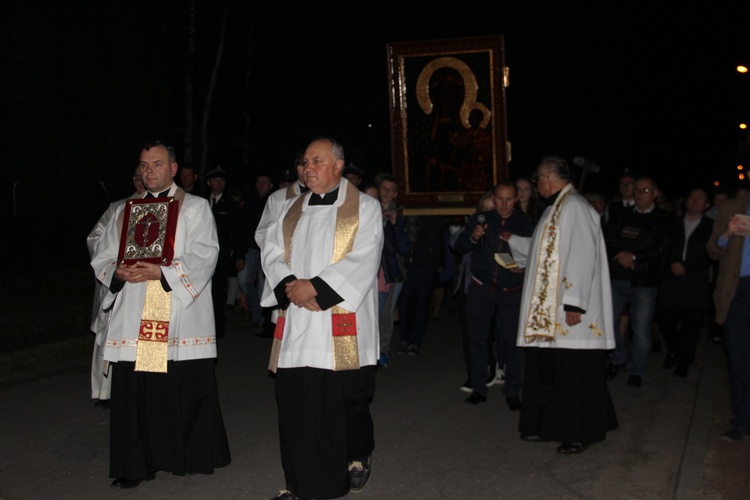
(739, 167)
(741, 69)
(743, 126)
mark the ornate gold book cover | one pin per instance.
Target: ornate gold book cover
(148, 231)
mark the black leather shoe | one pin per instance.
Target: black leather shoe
(513, 403)
(571, 448)
(634, 380)
(475, 399)
(359, 474)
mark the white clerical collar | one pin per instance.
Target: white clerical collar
(627, 204)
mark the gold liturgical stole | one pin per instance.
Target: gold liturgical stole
(153, 334)
(151, 350)
(344, 323)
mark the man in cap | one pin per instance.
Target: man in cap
(354, 174)
(232, 246)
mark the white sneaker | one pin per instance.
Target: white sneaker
(499, 375)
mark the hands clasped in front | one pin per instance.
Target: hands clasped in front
(138, 272)
(302, 294)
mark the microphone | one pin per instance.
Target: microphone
(480, 220)
(587, 165)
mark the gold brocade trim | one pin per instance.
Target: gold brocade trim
(347, 223)
(345, 347)
(151, 350)
(151, 356)
(541, 322)
(345, 353)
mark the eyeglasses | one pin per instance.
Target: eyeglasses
(644, 190)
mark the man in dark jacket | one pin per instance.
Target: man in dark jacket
(638, 245)
(232, 246)
(685, 289)
(426, 258)
(494, 292)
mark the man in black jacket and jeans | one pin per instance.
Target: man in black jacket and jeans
(638, 245)
(494, 288)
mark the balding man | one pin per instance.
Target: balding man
(321, 259)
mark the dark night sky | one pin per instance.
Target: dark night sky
(625, 84)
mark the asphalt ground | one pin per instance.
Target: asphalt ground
(429, 444)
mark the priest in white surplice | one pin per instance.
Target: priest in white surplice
(101, 383)
(163, 421)
(321, 259)
(275, 206)
(566, 318)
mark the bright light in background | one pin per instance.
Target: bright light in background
(743, 126)
(716, 183)
(742, 177)
(739, 167)
(741, 69)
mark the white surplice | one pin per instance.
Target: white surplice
(582, 280)
(275, 206)
(191, 323)
(307, 338)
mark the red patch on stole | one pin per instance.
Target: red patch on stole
(344, 324)
(278, 332)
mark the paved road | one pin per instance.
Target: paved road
(430, 445)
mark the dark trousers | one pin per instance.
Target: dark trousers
(166, 421)
(324, 423)
(737, 343)
(219, 291)
(462, 299)
(414, 304)
(565, 395)
(681, 327)
(485, 305)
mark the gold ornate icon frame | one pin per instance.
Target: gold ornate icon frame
(448, 121)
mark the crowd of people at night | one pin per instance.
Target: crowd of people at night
(558, 293)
